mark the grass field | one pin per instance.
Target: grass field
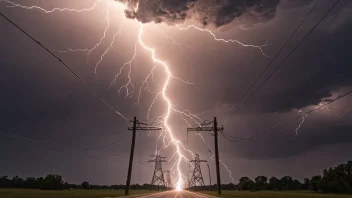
(24, 193)
(272, 194)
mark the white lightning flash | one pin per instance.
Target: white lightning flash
(260, 47)
(304, 117)
(328, 109)
(14, 5)
(226, 168)
(167, 135)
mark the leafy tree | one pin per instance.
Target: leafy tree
(274, 184)
(314, 183)
(53, 182)
(4, 182)
(245, 184)
(306, 184)
(17, 182)
(297, 185)
(261, 183)
(230, 186)
(286, 183)
(30, 183)
(337, 179)
(85, 185)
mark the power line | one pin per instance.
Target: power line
(272, 60)
(85, 156)
(282, 123)
(282, 62)
(61, 145)
(107, 145)
(69, 68)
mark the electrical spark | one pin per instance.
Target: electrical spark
(167, 135)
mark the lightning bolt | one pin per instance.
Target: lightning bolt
(304, 116)
(226, 168)
(90, 50)
(260, 47)
(167, 135)
(173, 41)
(14, 5)
(328, 109)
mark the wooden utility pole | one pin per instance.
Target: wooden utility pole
(205, 127)
(128, 182)
(217, 155)
(209, 178)
(136, 126)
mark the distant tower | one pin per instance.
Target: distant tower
(168, 179)
(197, 177)
(158, 176)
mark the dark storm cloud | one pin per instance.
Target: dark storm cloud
(168, 11)
(291, 4)
(283, 143)
(322, 67)
(206, 12)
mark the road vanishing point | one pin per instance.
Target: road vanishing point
(176, 194)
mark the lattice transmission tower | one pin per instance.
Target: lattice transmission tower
(197, 177)
(158, 176)
(168, 179)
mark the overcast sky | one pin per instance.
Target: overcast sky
(40, 98)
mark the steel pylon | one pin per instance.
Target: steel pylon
(158, 176)
(168, 179)
(197, 177)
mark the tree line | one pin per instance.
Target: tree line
(333, 180)
(55, 182)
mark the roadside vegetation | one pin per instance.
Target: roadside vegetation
(76, 193)
(335, 180)
(273, 194)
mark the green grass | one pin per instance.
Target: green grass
(272, 194)
(24, 193)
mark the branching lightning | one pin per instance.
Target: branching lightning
(167, 135)
(14, 5)
(328, 109)
(224, 165)
(260, 47)
(304, 117)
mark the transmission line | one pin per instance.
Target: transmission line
(282, 62)
(107, 145)
(60, 145)
(67, 67)
(284, 122)
(272, 60)
(85, 156)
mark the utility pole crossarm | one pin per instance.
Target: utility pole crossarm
(158, 161)
(197, 177)
(146, 128)
(137, 126)
(198, 160)
(204, 129)
(215, 128)
(158, 176)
